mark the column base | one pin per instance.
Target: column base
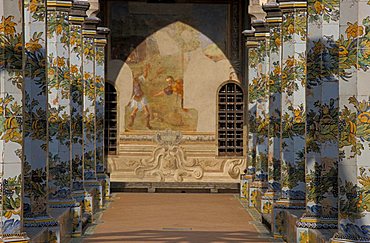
(76, 220)
(88, 208)
(256, 190)
(245, 181)
(49, 227)
(14, 238)
(105, 182)
(267, 201)
(97, 185)
(285, 215)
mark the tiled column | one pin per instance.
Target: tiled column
(354, 138)
(293, 86)
(253, 60)
(321, 118)
(76, 19)
(59, 112)
(11, 134)
(100, 43)
(273, 20)
(35, 118)
(262, 120)
(89, 118)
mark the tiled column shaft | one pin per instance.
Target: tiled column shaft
(293, 98)
(76, 18)
(100, 44)
(11, 105)
(354, 135)
(59, 112)
(35, 117)
(273, 20)
(293, 102)
(89, 122)
(258, 195)
(253, 60)
(262, 100)
(321, 118)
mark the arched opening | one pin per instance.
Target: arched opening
(230, 115)
(110, 135)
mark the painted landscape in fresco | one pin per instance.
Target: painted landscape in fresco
(158, 42)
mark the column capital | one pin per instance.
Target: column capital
(261, 29)
(251, 39)
(90, 25)
(78, 12)
(60, 5)
(102, 35)
(274, 14)
(290, 5)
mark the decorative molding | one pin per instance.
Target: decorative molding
(169, 160)
(151, 137)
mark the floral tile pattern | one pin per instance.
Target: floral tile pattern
(99, 103)
(274, 83)
(35, 124)
(89, 115)
(253, 54)
(11, 118)
(293, 81)
(262, 104)
(322, 110)
(76, 104)
(59, 113)
(354, 110)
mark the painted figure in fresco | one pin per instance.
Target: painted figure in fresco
(138, 101)
(173, 87)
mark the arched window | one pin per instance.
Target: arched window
(110, 138)
(230, 119)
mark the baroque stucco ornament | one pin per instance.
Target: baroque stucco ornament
(169, 160)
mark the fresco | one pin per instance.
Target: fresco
(159, 47)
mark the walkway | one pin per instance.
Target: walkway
(176, 218)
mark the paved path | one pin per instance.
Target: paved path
(176, 218)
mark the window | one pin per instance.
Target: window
(110, 119)
(230, 119)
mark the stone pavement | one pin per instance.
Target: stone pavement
(176, 218)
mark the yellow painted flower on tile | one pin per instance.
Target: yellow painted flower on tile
(277, 70)
(303, 237)
(290, 62)
(51, 72)
(59, 29)
(291, 29)
(87, 76)
(12, 132)
(343, 51)
(33, 6)
(74, 69)
(353, 30)
(60, 61)
(278, 41)
(298, 117)
(33, 45)
(7, 26)
(319, 8)
(364, 117)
